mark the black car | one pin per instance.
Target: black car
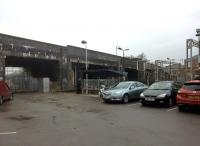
(163, 92)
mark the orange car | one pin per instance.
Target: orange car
(5, 92)
(189, 95)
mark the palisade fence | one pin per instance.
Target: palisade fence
(29, 84)
(22, 84)
(95, 84)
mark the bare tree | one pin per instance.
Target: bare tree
(142, 56)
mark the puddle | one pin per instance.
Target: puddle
(5, 107)
(69, 107)
(63, 106)
(4, 110)
(54, 119)
(21, 118)
(53, 99)
(95, 110)
(59, 104)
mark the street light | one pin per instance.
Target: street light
(86, 65)
(123, 56)
(198, 35)
(116, 50)
(170, 68)
(122, 50)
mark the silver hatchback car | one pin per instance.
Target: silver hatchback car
(124, 91)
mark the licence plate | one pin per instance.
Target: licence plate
(149, 99)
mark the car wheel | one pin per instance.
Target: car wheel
(181, 108)
(170, 102)
(125, 98)
(104, 101)
(144, 103)
(1, 100)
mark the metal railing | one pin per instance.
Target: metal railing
(95, 84)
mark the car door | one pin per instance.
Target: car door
(136, 90)
(140, 88)
(8, 92)
(4, 90)
(132, 91)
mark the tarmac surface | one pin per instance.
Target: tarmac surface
(67, 119)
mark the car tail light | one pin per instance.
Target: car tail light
(179, 91)
(182, 93)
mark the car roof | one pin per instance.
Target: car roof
(165, 81)
(130, 82)
(193, 81)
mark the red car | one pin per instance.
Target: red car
(5, 92)
(189, 95)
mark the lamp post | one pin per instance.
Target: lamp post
(122, 50)
(116, 50)
(123, 68)
(198, 35)
(170, 68)
(86, 65)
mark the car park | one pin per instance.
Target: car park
(189, 95)
(5, 92)
(124, 91)
(162, 92)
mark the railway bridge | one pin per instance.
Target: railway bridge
(64, 65)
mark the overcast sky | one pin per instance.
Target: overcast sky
(158, 28)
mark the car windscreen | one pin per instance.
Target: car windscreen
(161, 86)
(192, 86)
(122, 85)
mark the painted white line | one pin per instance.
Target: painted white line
(171, 109)
(7, 133)
(134, 104)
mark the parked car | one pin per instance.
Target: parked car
(5, 92)
(189, 95)
(163, 92)
(124, 91)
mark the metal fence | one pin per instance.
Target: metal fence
(22, 84)
(95, 84)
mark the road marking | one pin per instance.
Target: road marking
(171, 109)
(134, 104)
(7, 133)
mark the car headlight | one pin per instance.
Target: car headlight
(141, 95)
(162, 95)
(106, 93)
